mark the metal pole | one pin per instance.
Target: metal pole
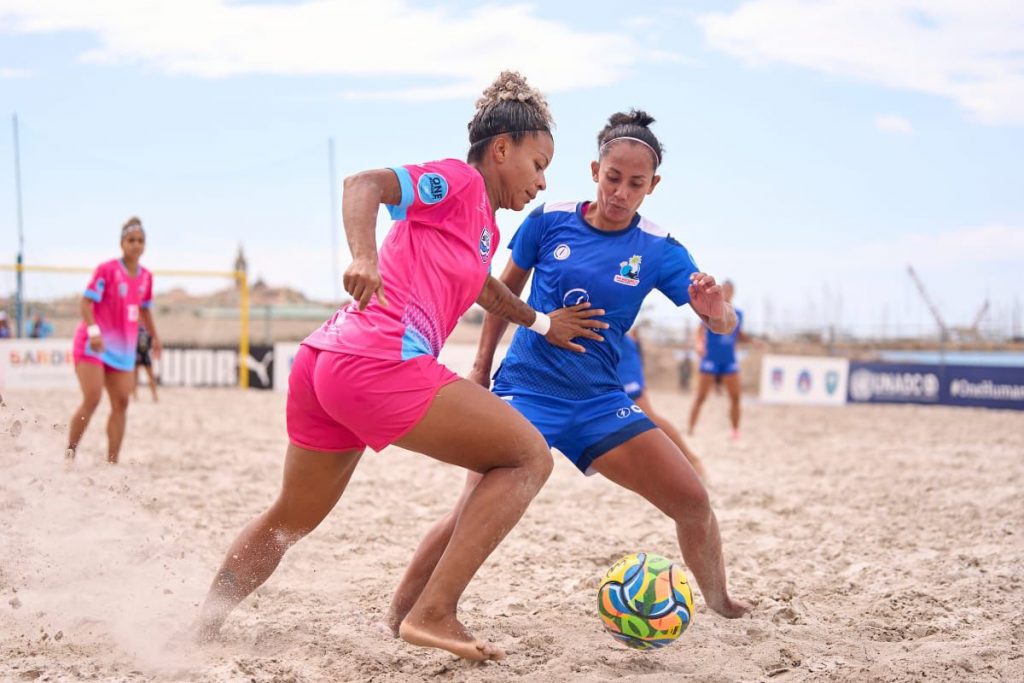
(334, 219)
(19, 306)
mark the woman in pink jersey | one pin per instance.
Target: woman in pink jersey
(117, 298)
(370, 377)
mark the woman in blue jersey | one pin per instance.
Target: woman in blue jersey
(634, 383)
(602, 252)
(718, 363)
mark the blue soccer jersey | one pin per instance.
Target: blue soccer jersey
(573, 262)
(721, 348)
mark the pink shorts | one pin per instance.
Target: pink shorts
(341, 402)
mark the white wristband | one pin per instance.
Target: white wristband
(93, 331)
(541, 324)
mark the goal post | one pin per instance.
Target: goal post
(240, 277)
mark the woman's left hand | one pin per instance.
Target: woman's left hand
(157, 349)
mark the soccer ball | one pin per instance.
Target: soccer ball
(644, 601)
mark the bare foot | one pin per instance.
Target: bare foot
(730, 608)
(446, 633)
(393, 621)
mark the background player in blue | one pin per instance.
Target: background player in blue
(718, 363)
(631, 375)
(603, 253)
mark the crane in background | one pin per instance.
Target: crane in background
(972, 333)
(932, 308)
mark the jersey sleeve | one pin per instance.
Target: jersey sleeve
(676, 267)
(525, 244)
(147, 294)
(97, 284)
(430, 191)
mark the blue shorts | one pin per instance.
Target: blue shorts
(584, 429)
(713, 367)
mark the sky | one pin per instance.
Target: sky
(814, 149)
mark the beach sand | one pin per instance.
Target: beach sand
(879, 543)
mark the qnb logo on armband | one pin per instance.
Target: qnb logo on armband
(432, 188)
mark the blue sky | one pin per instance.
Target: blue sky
(813, 148)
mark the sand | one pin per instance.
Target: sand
(878, 543)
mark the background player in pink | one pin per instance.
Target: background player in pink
(117, 298)
(370, 377)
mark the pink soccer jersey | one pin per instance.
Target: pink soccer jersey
(433, 264)
(117, 298)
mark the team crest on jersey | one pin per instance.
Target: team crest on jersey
(629, 271)
(485, 244)
(562, 252)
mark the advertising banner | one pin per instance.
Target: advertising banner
(284, 356)
(979, 386)
(197, 367)
(36, 364)
(48, 364)
(808, 380)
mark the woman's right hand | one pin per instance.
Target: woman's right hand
(575, 321)
(96, 344)
(362, 280)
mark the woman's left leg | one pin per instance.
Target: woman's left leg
(119, 387)
(650, 464)
(665, 425)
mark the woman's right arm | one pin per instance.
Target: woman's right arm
(494, 327)
(500, 298)
(85, 308)
(363, 194)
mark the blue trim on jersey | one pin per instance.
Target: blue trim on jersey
(414, 344)
(399, 211)
(93, 296)
(614, 440)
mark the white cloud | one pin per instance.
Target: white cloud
(446, 53)
(10, 73)
(892, 123)
(967, 51)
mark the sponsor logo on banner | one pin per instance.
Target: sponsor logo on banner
(809, 380)
(37, 363)
(880, 385)
(803, 381)
(978, 386)
(831, 382)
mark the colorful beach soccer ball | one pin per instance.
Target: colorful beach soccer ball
(645, 601)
